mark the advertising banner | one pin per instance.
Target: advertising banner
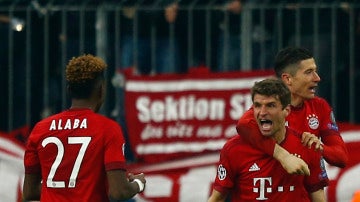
(172, 116)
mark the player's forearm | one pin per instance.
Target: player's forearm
(334, 149)
(336, 156)
(32, 187)
(217, 197)
(280, 153)
(318, 196)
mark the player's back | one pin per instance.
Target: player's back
(72, 150)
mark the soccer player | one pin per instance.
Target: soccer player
(296, 67)
(78, 154)
(246, 173)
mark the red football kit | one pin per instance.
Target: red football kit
(73, 150)
(249, 174)
(314, 116)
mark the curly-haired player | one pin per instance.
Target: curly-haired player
(78, 154)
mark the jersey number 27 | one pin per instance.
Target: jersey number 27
(84, 141)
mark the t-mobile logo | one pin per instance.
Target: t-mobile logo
(264, 186)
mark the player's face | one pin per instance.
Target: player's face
(304, 83)
(269, 115)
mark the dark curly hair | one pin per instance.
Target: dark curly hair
(82, 75)
(272, 87)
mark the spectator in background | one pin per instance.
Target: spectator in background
(229, 40)
(148, 43)
(312, 28)
(12, 42)
(230, 44)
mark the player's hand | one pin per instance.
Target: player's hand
(140, 177)
(295, 165)
(309, 140)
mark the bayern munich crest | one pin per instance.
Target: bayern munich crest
(313, 121)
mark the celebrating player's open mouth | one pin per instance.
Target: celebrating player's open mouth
(265, 126)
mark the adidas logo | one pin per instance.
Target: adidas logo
(254, 167)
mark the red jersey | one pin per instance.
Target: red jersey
(314, 116)
(73, 150)
(249, 174)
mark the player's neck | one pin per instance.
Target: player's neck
(82, 104)
(296, 101)
(279, 136)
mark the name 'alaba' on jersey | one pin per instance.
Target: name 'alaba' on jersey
(76, 148)
(248, 174)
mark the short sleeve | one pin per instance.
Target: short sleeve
(114, 148)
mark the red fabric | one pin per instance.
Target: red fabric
(250, 174)
(319, 119)
(335, 151)
(65, 135)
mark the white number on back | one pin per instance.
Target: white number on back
(84, 141)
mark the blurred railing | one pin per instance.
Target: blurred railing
(165, 36)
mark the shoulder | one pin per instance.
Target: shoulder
(104, 119)
(318, 101)
(235, 146)
(106, 123)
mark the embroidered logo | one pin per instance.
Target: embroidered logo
(313, 121)
(221, 172)
(254, 167)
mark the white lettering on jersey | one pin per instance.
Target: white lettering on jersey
(68, 124)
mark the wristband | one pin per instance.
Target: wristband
(141, 184)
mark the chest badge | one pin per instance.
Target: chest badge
(313, 121)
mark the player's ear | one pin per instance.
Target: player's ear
(287, 110)
(286, 78)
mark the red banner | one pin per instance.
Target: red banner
(173, 116)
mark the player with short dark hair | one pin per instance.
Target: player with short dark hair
(296, 67)
(248, 174)
(78, 154)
